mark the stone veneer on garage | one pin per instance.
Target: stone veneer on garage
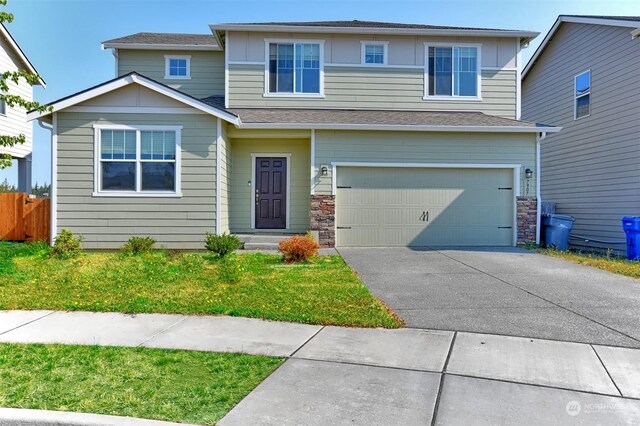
(527, 219)
(323, 219)
(323, 214)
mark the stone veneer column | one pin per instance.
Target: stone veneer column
(323, 219)
(527, 219)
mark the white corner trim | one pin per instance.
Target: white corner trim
(385, 52)
(539, 138)
(518, 80)
(218, 175)
(313, 161)
(167, 62)
(53, 216)
(143, 81)
(515, 167)
(255, 155)
(226, 68)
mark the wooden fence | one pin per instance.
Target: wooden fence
(23, 218)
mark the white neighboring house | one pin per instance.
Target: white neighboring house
(13, 120)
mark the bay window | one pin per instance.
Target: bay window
(142, 160)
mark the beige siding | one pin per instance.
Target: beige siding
(346, 48)
(15, 121)
(590, 169)
(374, 88)
(225, 173)
(423, 147)
(107, 222)
(241, 174)
(207, 70)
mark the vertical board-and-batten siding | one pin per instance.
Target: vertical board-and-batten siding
(207, 69)
(424, 147)
(374, 88)
(590, 169)
(107, 222)
(14, 122)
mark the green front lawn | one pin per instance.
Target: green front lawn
(607, 262)
(323, 290)
(181, 386)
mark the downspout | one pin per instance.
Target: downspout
(539, 138)
(54, 187)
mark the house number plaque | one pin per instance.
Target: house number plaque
(424, 217)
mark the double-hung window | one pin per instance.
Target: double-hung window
(294, 68)
(137, 160)
(582, 95)
(177, 67)
(452, 71)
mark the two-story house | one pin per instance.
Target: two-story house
(367, 133)
(585, 77)
(13, 120)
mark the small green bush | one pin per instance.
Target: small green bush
(298, 248)
(67, 246)
(138, 245)
(230, 270)
(222, 244)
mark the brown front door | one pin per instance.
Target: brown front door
(271, 193)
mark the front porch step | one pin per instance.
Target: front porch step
(262, 241)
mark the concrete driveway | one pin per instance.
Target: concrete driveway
(505, 291)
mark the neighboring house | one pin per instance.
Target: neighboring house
(13, 120)
(367, 133)
(585, 77)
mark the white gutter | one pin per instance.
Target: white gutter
(53, 193)
(539, 138)
(400, 127)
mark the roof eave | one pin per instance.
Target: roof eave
(16, 47)
(402, 127)
(372, 30)
(152, 46)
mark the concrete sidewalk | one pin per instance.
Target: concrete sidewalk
(374, 376)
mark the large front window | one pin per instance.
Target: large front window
(452, 71)
(294, 68)
(138, 160)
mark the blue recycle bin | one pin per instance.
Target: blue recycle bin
(556, 230)
(631, 226)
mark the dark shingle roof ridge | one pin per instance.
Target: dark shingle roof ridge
(166, 38)
(355, 23)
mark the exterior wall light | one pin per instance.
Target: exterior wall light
(528, 173)
(324, 170)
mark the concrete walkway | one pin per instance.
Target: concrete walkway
(374, 376)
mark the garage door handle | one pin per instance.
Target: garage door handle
(344, 227)
(507, 189)
(504, 227)
(343, 187)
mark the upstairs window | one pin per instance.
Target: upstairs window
(582, 95)
(453, 71)
(177, 67)
(374, 53)
(137, 160)
(294, 68)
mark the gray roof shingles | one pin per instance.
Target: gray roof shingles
(167, 38)
(363, 24)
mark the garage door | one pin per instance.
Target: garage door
(424, 207)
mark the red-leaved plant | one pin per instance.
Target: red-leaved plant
(298, 248)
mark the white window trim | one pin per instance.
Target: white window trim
(252, 195)
(97, 183)
(268, 94)
(428, 97)
(575, 97)
(167, 60)
(385, 50)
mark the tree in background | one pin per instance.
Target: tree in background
(13, 100)
(5, 187)
(41, 191)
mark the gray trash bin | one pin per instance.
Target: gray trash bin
(556, 229)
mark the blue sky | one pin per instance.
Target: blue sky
(62, 37)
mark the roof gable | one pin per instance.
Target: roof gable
(87, 95)
(12, 44)
(631, 22)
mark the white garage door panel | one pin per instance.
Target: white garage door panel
(424, 207)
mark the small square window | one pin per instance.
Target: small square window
(374, 53)
(177, 67)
